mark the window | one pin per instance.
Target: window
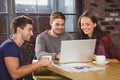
(3, 6)
(3, 28)
(39, 11)
(70, 23)
(3, 20)
(66, 6)
(32, 6)
(25, 6)
(45, 7)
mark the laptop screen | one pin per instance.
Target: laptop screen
(77, 50)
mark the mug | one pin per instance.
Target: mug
(100, 59)
(49, 57)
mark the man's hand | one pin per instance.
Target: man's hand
(57, 56)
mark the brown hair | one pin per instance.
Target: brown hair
(20, 21)
(56, 15)
(97, 30)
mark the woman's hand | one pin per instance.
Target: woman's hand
(113, 60)
(94, 57)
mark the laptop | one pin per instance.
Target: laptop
(77, 51)
(75, 54)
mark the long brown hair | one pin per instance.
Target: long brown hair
(97, 30)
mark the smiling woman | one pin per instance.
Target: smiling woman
(89, 29)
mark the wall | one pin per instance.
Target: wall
(108, 13)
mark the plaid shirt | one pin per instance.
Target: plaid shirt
(106, 47)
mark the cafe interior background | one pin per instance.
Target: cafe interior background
(107, 11)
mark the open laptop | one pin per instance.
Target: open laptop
(74, 55)
(77, 51)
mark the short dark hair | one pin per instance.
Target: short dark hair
(20, 21)
(56, 15)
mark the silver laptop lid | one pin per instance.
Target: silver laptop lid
(77, 50)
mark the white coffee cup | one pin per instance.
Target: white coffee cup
(49, 57)
(100, 59)
(33, 61)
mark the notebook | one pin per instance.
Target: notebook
(77, 50)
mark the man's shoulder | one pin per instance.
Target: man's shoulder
(43, 35)
(7, 42)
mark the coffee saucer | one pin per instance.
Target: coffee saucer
(106, 62)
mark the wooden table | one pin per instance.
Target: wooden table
(111, 72)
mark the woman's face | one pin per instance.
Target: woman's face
(87, 26)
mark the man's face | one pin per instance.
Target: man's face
(27, 32)
(57, 26)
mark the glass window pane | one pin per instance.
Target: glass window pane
(66, 6)
(70, 23)
(25, 6)
(3, 29)
(33, 6)
(3, 37)
(3, 24)
(35, 26)
(44, 6)
(43, 23)
(3, 6)
(43, 2)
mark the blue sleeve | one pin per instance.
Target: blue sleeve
(11, 50)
